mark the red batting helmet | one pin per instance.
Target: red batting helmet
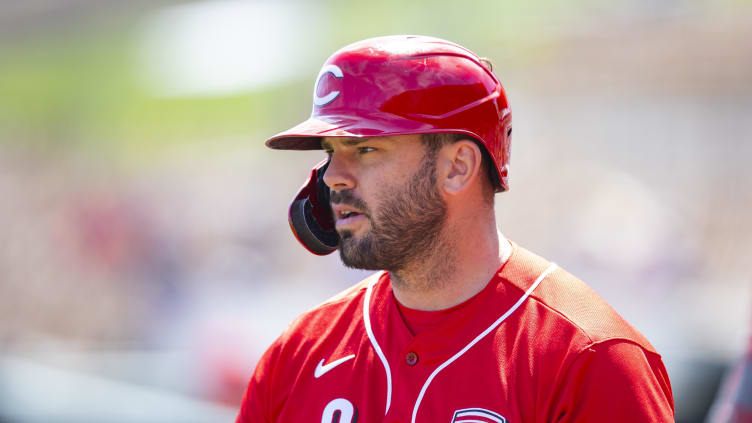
(394, 85)
(403, 84)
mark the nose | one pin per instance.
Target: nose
(339, 175)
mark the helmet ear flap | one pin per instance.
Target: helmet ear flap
(310, 215)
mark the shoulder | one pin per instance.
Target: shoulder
(333, 324)
(570, 302)
(587, 347)
(616, 380)
(335, 314)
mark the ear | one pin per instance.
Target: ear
(461, 162)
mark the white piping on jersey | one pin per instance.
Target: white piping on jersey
(369, 331)
(493, 326)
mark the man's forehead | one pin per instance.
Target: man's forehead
(329, 142)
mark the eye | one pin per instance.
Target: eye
(364, 149)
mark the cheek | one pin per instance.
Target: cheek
(372, 187)
(381, 198)
(378, 184)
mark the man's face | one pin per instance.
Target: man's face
(387, 207)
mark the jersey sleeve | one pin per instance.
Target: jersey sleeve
(256, 403)
(614, 381)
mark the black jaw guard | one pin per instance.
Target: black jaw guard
(310, 215)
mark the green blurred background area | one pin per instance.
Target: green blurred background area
(145, 256)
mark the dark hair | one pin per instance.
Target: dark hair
(434, 142)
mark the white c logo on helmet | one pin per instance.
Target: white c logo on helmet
(322, 101)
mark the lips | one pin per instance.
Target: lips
(346, 215)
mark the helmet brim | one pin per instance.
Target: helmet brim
(308, 134)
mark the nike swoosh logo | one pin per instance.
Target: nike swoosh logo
(321, 368)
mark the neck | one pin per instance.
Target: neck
(459, 267)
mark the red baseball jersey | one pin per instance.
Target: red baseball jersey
(535, 345)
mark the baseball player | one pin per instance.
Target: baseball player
(458, 324)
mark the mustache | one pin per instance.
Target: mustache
(347, 198)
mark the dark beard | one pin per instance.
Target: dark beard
(406, 228)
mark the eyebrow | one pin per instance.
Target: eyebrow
(347, 142)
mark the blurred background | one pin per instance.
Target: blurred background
(145, 257)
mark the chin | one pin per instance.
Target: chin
(352, 234)
(357, 252)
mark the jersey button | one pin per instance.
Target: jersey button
(411, 358)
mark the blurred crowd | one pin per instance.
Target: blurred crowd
(161, 275)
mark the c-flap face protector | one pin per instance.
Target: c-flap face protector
(310, 215)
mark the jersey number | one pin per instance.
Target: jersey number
(339, 410)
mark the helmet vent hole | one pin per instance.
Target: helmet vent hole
(509, 132)
(486, 62)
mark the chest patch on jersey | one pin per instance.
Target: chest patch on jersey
(477, 415)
